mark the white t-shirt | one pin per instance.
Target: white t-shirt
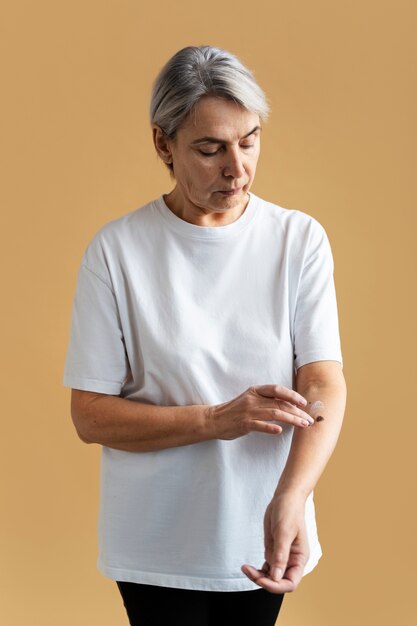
(171, 313)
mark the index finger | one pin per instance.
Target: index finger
(281, 392)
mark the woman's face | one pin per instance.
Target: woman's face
(214, 155)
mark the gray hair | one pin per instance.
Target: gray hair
(197, 71)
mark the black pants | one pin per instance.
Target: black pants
(148, 605)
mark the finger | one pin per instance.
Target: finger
(280, 554)
(296, 419)
(288, 407)
(298, 558)
(260, 578)
(294, 573)
(281, 392)
(268, 544)
(280, 416)
(261, 426)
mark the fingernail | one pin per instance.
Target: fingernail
(305, 423)
(303, 402)
(276, 573)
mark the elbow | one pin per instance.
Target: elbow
(337, 384)
(81, 429)
(322, 376)
(82, 436)
(81, 416)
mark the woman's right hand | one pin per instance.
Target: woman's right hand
(256, 409)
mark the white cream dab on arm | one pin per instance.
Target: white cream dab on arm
(316, 406)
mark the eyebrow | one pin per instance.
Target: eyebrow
(217, 140)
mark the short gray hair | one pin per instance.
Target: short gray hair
(197, 71)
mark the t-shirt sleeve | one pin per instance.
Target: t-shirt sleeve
(96, 357)
(316, 325)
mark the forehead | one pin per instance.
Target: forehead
(217, 117)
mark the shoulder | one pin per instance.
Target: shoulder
(116, 237)
(122, 226)
(294, 222)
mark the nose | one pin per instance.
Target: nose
(233, 165)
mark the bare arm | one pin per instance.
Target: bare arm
(286, 545)
(310, 450)
(123, 424)
(138, 427)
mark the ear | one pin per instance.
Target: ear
(162, 144)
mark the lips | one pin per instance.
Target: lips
(230, 192)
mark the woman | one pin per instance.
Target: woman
(205, 358)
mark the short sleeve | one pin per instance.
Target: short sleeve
(96, 357)
(316, 325)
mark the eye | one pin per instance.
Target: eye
(208, 153)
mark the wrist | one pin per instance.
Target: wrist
(208, 421)
(286, 490)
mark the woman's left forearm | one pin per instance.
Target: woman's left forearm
(322, 382)
(286, 542)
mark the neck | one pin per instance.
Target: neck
(201, 215)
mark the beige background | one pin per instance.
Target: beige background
(76, 152)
